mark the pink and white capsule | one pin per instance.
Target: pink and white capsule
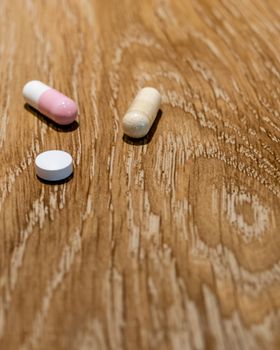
(50, 102)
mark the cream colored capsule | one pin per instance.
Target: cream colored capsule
(142, 113)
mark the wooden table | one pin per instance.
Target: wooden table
(171, 242)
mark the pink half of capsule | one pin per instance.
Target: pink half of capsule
(50, 102)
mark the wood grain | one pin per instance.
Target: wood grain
(168, 243)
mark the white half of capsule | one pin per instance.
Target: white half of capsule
(32, 91)
(54, 165)
(142, 113)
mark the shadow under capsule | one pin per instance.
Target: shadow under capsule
(146, 139)
(60, 182)
(57, 127)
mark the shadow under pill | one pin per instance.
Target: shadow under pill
(57, 127)
(60, 182)
(146, 139)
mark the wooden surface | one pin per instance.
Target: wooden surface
(168, 243)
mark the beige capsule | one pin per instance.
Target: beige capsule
(142, 113)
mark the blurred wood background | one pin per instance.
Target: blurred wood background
(171, 242)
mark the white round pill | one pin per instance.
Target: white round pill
(54, 165)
